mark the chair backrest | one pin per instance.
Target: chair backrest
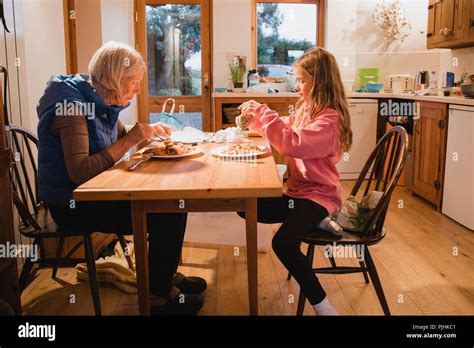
(383, 169)
(24, 148)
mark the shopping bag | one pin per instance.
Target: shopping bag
(168, 118)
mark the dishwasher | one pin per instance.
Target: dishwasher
(458, 194)
(363, 114)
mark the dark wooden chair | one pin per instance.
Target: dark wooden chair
(36, 222)
(380, 173)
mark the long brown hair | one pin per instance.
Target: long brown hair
(327, 92)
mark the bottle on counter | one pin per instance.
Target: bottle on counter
(433, 81)
(254, 78)
(250, 73)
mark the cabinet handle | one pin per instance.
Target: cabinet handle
(437, 185)
(429, 35)
(441, 124)
(472, 22)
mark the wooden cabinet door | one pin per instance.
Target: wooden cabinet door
(471, 22)
(437, 20)
(449, 23)
(429, 148)
(456, 19)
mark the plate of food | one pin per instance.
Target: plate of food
(169, 150)
(238, 151)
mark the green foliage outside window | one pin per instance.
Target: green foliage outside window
(272, 48)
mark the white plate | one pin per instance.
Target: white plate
(190, 135)
(196, 151)
(217, 151)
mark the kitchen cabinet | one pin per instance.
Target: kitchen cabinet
(284, 105)
(450, 23)
(429, 149)
(9, 291)
(471, 22)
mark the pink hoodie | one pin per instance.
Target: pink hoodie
(312, 152)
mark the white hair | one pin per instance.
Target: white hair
(111, 66)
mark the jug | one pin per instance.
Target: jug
(422, 79)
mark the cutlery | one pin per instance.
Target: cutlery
(145, 157)
(161, 138)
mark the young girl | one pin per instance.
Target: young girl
(313, 138)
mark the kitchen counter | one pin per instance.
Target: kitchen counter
(459, 100)
(429, 98)
(253, 95)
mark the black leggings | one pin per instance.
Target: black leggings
(165, 234)
(299, 218)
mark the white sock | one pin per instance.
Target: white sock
(324, 308)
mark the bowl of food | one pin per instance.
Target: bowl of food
(373, 87)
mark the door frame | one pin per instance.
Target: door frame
(70, 37)
(154, 104)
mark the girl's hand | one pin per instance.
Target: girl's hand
(161, 129)
(238, 120)
(249, 107)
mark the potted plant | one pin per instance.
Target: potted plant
(237, 73)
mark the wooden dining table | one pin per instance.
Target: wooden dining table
(199, 183)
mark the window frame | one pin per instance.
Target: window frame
(320, 25)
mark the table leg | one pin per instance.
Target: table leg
(252, 264)
(141, 255)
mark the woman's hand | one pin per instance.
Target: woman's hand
(141, 132)
(161, 129)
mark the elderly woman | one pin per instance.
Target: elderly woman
(80, 136)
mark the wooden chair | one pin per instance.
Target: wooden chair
(36, 222)
(383, 168)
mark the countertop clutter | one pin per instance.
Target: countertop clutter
(458, 100)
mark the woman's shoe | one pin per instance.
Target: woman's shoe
(176, 303)
(189, 285)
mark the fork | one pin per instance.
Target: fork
(145, 157)
(242, 124)
(162, 138)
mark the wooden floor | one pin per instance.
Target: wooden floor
(425, 264)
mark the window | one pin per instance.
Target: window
(174, 38)
(282, 31)
(173, 49)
